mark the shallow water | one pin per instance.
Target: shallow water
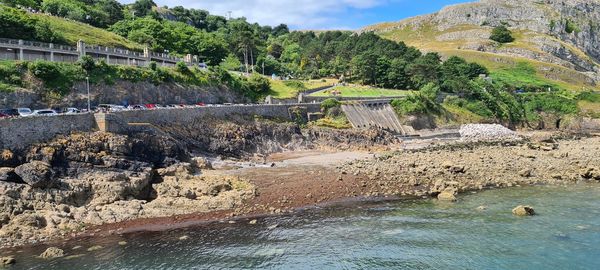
(413, 234)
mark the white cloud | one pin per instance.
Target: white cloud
(305, 14)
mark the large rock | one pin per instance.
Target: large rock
(52, 252)
(447, 196)
(37, 174)
(9, 175)
(4, 261)
(523, 211)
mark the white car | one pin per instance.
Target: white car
(24, 111)
(72, 111)
(46, 112)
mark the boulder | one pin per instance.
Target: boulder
(52, 252)
(523, 211)
(526, 173)
(4, 261)
(37, 174)
(9, 175)
(201, 163)
(446, 196)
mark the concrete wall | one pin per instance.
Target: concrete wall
(20, 133)
(184, 115)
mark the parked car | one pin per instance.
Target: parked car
(137, 107)
(71, 111)
(200, 104)
(151, 106)
(110, 108)
(10, 112)
(24, 111)
(2, 115)
(45, 112)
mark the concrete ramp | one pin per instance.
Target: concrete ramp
(376, 115)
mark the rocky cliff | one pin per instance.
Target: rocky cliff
(560, 35)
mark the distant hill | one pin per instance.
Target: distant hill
(559, 39)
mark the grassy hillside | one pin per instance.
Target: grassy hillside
(461, 40)
(73, 31)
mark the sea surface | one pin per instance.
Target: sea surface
(408, 234)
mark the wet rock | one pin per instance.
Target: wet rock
(447, 196)
(9, 175)
(94, 248)
(522, 211)
(52, 252)
(5, 261)
(37, 174)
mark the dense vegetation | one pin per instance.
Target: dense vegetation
(59, 78)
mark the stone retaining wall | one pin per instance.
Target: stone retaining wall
(19, 133)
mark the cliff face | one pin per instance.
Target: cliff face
(559, 32)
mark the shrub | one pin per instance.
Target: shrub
(152, 65)
(329, 104)
(502, 34)
(87, 63)
(295, 84)
(57, 77)
(571, 27)
(182, 67)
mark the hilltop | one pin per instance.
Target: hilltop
(557, 38)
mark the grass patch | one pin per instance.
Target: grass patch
(522, 75)
(290, 89)
(73, 31)
(362, 91)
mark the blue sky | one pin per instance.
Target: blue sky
(316, 14)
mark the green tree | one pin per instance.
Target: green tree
(231, 62)
(142, 8)
(502, 34)
(397, 77)
(210, 47)
(425, 69)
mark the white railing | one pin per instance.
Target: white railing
(114, 51)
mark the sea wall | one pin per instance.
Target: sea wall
(19, 133)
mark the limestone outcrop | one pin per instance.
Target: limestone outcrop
(560, 32)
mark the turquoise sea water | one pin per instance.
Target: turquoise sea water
(411, 234)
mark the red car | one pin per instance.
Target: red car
(150, 106)
(201, 104)
(2, 115)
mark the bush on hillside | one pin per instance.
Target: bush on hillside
(422, 102)
(502, 34)
(182, 67)
(330, 103)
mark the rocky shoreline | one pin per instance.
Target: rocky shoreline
(102, 184)
(61, 188)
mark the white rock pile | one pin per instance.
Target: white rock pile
(486, 132)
